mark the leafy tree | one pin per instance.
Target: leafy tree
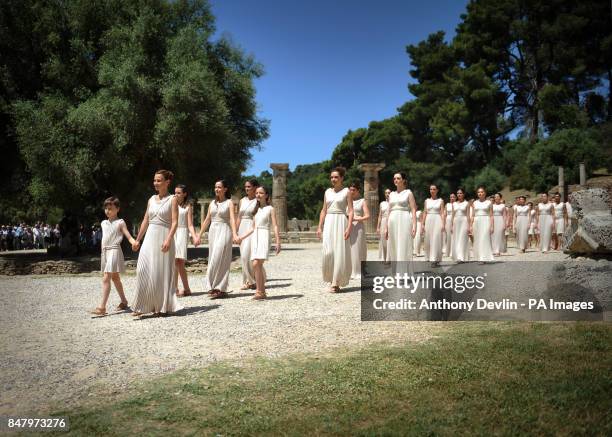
(525, 46)
(489, 177)
(567, 148)
(350, 149)
(305, 188)
(124, 88)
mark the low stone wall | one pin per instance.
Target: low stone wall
(18, 263)
(18, 266)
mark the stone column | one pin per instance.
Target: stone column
(279, 194)
(561, 184)
(582, 174)
(370, 192)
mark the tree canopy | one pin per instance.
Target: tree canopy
(523, 87)
(95, 96)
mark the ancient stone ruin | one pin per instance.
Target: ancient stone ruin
(590, 231)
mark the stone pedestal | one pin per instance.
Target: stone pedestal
(370, 192)
(279, 194)
(582, 174)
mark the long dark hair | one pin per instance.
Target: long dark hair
(186, 200)
(340, 170)
(267, 200)
(228, 194)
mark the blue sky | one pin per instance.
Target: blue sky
(330, 66)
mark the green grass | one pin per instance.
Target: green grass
(476, 379)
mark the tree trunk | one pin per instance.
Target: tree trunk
(534, 123)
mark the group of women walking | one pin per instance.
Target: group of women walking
(440, 228)
(447, 228)
(165, 231)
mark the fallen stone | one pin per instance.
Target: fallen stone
(590, 231)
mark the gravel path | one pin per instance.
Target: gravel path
(54, 353)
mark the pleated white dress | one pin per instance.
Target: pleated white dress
(181, 236)
(481, 228)
(418, 236)
(559, 217)
(246, 210)
(498, 239)
(400, 245)
(382, 242)
(546, 225)
(336, 250)
(111, 260)
(359, 249)
(260, 243)
(461, 239)
(448, 237)
(522, 226)
(433, 230)
(155, 280)
(219, 247)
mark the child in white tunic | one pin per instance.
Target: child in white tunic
(184, 230)
(263, 219)
(111, 260)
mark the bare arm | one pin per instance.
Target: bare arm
(192, 232)
(366, 213)
(491, 221)
(206, 221)
(471, 217)
(443, 215)
(412, 203)
(351, 213)
(239, 218)
(126, 233)
(424, 217)
(233, 220)
(247, 233)
(142, 230)
(379, 221)
(322, 217)
(276, 235)
(168, 241)
(387, 219)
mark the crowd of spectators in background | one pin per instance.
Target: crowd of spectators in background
(43, 235)
(90, 237)
(25, 237)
